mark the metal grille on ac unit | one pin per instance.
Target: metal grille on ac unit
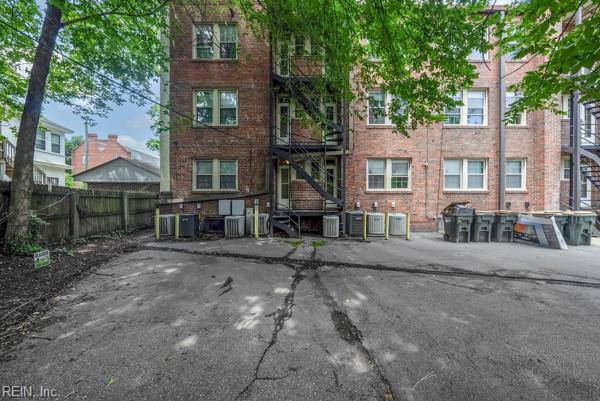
(375, 223)
(397, 224)
(234, 226)
(167, 224)
(331, 226)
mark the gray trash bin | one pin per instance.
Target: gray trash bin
(458, 218)
(482, 226)
(504, 224)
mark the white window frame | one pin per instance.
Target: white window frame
(216, 107)
(565, 105)
(60, 147)
(523, 175)
(565, 164)
(387, 175)
(464, 108)
(522, 116)
(216, 45)
(216, 176)
(43, 135)
(464, 175)
(387, 102)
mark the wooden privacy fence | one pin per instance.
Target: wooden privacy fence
(75, 213)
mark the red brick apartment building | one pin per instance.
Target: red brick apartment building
(259, 146)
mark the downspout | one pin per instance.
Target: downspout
(165, 131)
(272, 169)
(501, 129)
(576, 140)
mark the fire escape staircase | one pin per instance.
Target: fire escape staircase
(286, 219)
(333, 132)
(591, 147)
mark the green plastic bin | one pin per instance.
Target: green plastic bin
(504, 223)
(579, 228)
(482, 226)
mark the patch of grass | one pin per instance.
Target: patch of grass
(295, 243)
(110, 380)
(318, 243)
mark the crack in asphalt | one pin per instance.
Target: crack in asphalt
(282, 314)
(348, 332)
(421, 269)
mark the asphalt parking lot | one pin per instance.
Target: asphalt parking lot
(276, 319)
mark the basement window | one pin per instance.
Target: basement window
(215, 175)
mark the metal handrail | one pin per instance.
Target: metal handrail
(287, 212)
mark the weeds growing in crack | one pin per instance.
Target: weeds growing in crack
(282, 314)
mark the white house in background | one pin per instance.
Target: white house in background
(49, 157)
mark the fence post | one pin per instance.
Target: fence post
(177, 225)
(364, 226)
(386, 226)
(125, 210)
(157, 223)
(74, 223)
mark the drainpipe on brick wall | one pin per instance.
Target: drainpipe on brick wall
(165, 133)
(576, 141)
(501, 130)
(272, 171)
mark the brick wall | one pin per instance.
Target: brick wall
(248, 141)
(100, 151)
(538, 142)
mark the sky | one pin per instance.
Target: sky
(129, 121)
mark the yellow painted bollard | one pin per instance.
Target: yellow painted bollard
(364, 227)
(407, 226)
(386, 226)
(177, 226)
(256, 222)
(157, 223)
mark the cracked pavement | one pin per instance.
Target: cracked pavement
(184, 324)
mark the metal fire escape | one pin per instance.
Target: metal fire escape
(299, 151)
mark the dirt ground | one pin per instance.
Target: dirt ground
(27, 293)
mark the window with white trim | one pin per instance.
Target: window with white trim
(379, 103)
(465, 175)
(515, 174)
(55, 143)
(473, 110)
(40, 140)
(565, 169)
(215, 42)
(512, 97)
(388, 175)
(215, 175)
(216, 107)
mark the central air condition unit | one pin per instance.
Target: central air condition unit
(397, 224)
(375, 223)
(188, 225)
(167, 224)
(331, 226)
(234, 226)
(354, 223)
(263, 224)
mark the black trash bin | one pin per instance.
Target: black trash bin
(482, 226)
(504, 224)
(458, 218)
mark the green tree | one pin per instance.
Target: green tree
(45, 55)
(415, 50)
(547, 28)
(70, 145)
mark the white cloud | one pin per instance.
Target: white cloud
(136, 144)
(140, 121)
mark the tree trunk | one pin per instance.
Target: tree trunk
(22, 181)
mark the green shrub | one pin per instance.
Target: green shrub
(27, 244)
